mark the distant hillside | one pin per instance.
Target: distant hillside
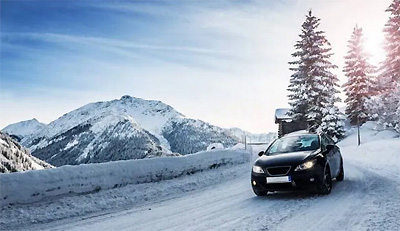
(15, 158)
(251, 137)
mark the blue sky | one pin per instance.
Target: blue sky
(224, 62)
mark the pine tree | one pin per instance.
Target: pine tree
(391, 66)
(360, 84)
(389, 80)
(333, 122)
(312, 86)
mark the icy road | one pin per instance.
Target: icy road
(368, 199)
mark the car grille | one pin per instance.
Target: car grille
(277, 171)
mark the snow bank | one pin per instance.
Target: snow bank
(369, 132)
(381, 155)
(215, 146)
(30, 186)
(379, 149)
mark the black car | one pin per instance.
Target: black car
(299, 160)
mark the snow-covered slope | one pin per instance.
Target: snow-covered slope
(23, 128)
(370, 131)
(15, 158)
(128, 128)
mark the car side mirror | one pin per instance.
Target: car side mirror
(261, 153)
(329, 147)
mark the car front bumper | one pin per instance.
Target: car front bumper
(300, 180)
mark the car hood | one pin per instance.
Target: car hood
(292, 158)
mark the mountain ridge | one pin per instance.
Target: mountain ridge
(120, 129)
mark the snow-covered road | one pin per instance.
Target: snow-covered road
(367, 200)
(222, 199)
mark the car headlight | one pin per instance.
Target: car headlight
(306, 165)
(257, 169)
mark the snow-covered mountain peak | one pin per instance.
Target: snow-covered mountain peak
(149, 114)
(146, 107)
(24, 128)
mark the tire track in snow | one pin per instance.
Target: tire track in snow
(363, 201)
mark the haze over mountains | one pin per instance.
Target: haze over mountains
(128, 128)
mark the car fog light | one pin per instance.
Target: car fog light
(312, 179)
(254, 183)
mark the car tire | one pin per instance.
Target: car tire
(259, 192)
(326, 184)
(340, 176)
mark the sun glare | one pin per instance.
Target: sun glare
(373, 45)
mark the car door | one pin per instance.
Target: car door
(335, 156)
(330, 155)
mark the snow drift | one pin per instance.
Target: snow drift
(26, 187)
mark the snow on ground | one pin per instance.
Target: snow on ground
(222, 199)
(215, 146)
(370, 132)
(74, 207)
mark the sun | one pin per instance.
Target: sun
(374, 47)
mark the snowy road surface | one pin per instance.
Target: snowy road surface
(222, 199)
(368, 199)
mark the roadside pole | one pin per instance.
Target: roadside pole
(245, 143)
(358, 131)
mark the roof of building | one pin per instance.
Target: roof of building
(281, 114)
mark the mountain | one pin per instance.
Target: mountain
(22, 129)
(128, 128)
(190, 136)
(251, 137)
(15, 158)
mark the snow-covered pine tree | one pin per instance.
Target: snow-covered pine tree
(389, 80)
(360, 83)
(333, 122)
(312, 86)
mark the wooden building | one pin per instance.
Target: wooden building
(286, 123)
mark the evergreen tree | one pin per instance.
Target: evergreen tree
(388, 113)
(391, 66)
(312, 86)
(360, 84)
(333, 122)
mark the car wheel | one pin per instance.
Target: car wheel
(340, 176)
(326, 184)
(259, 192)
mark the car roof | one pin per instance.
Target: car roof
(299, 133)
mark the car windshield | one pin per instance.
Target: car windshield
(294, 144)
